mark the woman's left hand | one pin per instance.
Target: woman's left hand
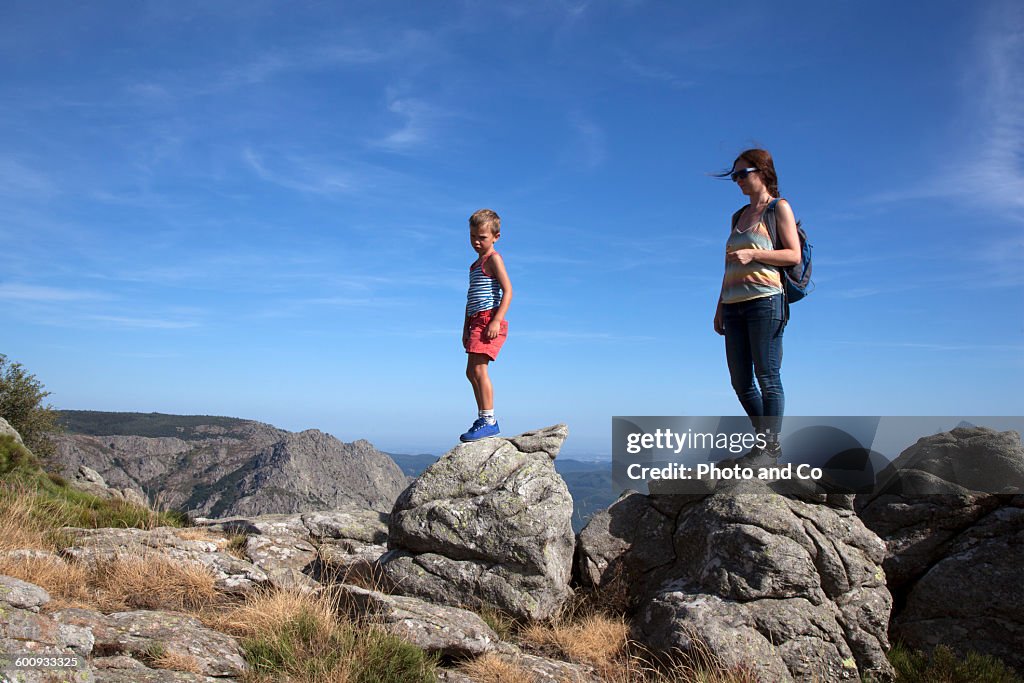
(743, 256)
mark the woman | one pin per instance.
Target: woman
(751, 307)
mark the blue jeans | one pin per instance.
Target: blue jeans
(753, 348)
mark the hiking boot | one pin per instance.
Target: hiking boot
(481, 429)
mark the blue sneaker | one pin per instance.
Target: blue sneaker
(481, 429)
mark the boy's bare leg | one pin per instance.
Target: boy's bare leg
(476, 371)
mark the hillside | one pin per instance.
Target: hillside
(152, 425)
(217, 466)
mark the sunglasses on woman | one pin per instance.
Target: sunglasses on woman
(741, 174)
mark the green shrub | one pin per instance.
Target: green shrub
(384, 658)
(21, 404)
(299, 648)
(943, 666)
(308, 649)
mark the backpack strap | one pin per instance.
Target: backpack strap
(770, 223)
(773, 233)
(736, 216)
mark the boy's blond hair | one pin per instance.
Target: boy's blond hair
(486, 217)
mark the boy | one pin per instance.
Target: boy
(485, 328)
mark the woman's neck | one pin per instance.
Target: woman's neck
(761, 199)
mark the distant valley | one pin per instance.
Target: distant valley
(215, 466)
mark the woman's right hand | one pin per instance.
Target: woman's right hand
(719, 325)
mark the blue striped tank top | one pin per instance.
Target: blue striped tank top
(484, 291)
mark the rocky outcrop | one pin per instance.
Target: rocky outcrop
(25, 631)
(232, 574)
(447, 631)
(951, 511)
(107, 647)
(794, 590)
(490, 522)
(926, 499)
(245, 468)
(325, 546)
(139, 633)
(300, 551)
(89, 480)
(971, 599)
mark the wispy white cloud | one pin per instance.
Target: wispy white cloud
(989, 172)
(262, 68)
(419, 120)
(591, 146)
(144, 323)
(647, 71)
(148, 355)
(929, 346)
(13, 291)
(566, 336)
(19, 179)
(996, 174)
(301, 175)
(348, 301)
(860, 292)
(997, 265)
(268, 66)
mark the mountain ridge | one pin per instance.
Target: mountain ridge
(217, 466)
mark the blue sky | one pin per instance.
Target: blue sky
(259, 209)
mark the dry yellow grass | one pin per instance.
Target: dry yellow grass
(491, 668)
(152, 581)
(20, 525)
(149, 581)
(584, 634)
(173, 660)
(264, 611)
(595, 639)
(612, 597)
(198, 533)
(701, 665)
(301, 638)
(66, 582)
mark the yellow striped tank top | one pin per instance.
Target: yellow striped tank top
(755, 279)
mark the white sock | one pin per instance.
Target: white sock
(487, 415)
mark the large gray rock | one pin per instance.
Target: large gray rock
(546, 670)
(793, 589)
(139, 633)
(7, 430)
(245, 468)
(90, 481)
(954, 527)
(926, 500)
(25, 631)
(984, 574)
(447, 631)
(22, 594)
(327, 546)
(489, 522)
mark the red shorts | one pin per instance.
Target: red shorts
(475, 340)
